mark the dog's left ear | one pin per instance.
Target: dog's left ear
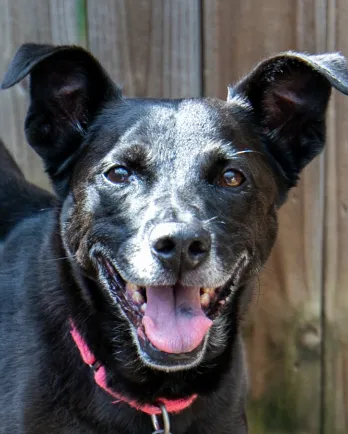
(289, 94)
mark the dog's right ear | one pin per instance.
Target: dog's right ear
(68, 87)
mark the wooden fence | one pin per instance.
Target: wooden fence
(297, 331)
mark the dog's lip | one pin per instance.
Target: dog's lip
(222, 294)
(104, 260)
(131, 300)
(162, 357)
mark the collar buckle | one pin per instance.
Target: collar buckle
(95, 366)
(166, 421)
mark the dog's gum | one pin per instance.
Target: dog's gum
(205, 300)
(137, 297)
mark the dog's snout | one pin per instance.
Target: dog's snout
(180, 245)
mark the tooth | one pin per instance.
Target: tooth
(131, 287)
(143, 307)
(205, 300)
(210, 291)
(137, 297)
(222, 302)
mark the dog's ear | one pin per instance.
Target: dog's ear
(67, 89)
(289, 94)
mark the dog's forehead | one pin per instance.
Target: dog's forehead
(170, 132)
(185, 118)
(188, 118)
(188, 124)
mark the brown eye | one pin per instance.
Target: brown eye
(118, 175)
(232, 178)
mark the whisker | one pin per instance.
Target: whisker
(246, 151)
(210, 220)
(59, 259)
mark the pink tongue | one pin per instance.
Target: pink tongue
(174, 321)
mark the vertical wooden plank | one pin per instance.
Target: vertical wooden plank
(284, 332)
(336, 241)
(29, 21)
(23, 21)
(68, 22)
(240, 33)
(151, 47)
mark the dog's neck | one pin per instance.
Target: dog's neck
(100, 377)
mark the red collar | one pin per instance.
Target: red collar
(172, 406)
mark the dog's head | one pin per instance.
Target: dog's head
(170, 206)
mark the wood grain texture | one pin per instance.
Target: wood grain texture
(336, 241)
(284, 330)
(29, 21)
(151, 47)
(240, 33)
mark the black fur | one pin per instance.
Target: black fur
(176, 151)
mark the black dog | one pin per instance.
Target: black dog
(143, 263)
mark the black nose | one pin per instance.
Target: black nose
(180, 244)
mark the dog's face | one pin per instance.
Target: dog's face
(169, 207)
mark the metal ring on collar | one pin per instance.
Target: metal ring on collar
(166, 421)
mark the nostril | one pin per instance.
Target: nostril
(164, 245)
(179, 245)
(197, 247)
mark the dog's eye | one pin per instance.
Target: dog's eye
(118, 175)
(232, 178)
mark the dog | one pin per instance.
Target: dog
(122, 294)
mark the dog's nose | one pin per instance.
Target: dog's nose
(180, 245)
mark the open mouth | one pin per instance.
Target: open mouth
(172, 319)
